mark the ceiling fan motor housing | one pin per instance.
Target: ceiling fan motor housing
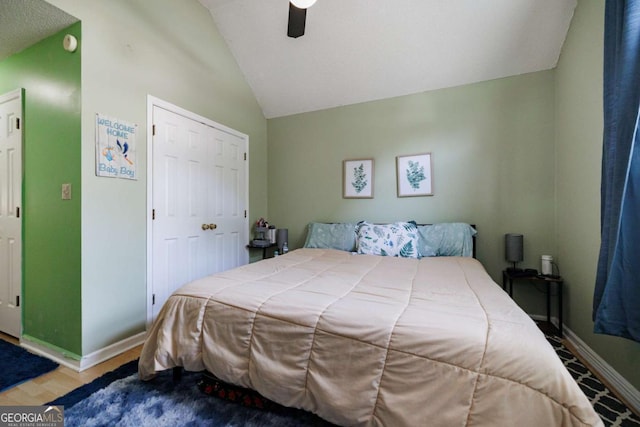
(297, 19)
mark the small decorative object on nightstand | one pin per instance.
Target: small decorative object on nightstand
(261, 240)
(530, 276)
(264, 237)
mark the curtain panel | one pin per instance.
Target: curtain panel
(616, 305)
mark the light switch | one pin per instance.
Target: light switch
(66, 191)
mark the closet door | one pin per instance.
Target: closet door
(199, 202)
(226, 201)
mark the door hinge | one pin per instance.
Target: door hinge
(17, 122)
(245, 213)
(17, 300)
(245, 156)
(153, 299)
(153, 214)
(153, 130)
(17, 211)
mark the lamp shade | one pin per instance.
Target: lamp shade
(303, 4)
(282, 237)
(513, 247)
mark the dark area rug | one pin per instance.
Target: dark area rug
(18, 365)
(612, 411)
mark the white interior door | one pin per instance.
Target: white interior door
(10, 216)
(199, 193)
(228, 240)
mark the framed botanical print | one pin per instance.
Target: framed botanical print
(357, 179)
(414, 175)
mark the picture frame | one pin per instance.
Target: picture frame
(357, 178)
(414, 175)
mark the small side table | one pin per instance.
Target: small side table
(264, 248)
(510, 277)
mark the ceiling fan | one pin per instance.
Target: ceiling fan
(298, 17)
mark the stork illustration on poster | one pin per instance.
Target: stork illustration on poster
(115, 148)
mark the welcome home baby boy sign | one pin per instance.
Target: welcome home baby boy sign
(115, 148)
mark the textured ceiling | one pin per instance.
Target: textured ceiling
(25, 22)
(360, 50)
(355, 50)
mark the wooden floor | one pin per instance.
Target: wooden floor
(59, 382)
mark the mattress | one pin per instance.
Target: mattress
(370, 341)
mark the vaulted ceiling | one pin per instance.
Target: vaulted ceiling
(355, 50)
(360, 50)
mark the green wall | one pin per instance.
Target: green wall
(51, 246)
(520, 154)
(578, 167)
(130, 49)
(492, 147)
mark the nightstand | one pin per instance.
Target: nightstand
(264, 248)
(509, 277)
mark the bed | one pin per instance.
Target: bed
(370, 340)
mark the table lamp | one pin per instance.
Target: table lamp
(513, 250)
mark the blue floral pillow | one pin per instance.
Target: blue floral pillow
(397, 239)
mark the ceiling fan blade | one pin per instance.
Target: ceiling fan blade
(297, 19)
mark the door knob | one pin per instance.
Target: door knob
(205, 226)
(213, 226)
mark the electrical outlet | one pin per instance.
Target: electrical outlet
(66, 191)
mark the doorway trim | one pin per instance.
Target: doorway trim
(152, 102)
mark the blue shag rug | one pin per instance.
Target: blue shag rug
(119, 398)
(18, 365)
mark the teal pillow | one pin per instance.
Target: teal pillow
(427, 242)
(397, 239)
(446, 239)
(341, 236)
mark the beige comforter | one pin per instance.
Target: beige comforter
(370, 341)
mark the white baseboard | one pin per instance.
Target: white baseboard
(89, 360)
(622, 387)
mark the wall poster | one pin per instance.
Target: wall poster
(357, 179)
(115, 148)
(414, 176)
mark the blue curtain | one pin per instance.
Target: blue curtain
(616, 305)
